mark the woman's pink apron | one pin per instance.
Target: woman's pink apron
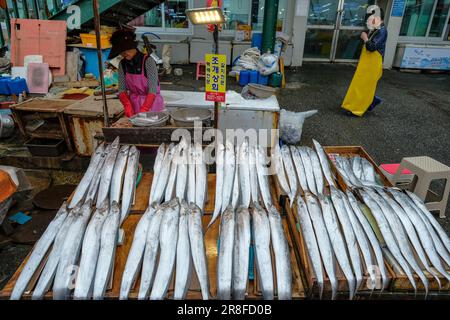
(138, 90)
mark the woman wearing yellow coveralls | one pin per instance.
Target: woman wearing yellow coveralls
(361, 96)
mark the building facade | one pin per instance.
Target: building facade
(319, 30)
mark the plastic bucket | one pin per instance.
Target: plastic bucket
(257, 40)
(244, 77)
(264, 80)
(254, 76)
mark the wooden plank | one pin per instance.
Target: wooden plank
(77, 84)
(90, 107)
(43, 105)
(142, 194)
(145, 135)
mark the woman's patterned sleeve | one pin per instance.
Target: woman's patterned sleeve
(122, 83)
(152, 75)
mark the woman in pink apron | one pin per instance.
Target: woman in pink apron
(139, 89)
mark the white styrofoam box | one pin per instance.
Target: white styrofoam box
(199, 48)
(180, 50)
(35, 58)
(20, 72)
(238, 113)
(233, 101)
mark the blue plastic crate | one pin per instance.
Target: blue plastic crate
(17, 86)
(91, 59)
(4, 88)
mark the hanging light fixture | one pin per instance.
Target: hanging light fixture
(213, 15)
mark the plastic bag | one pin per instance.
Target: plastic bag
(268, 64)
(249, 59)
(246, 94)
(291, 125)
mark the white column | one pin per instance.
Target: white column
(393, 28)
(299, 31)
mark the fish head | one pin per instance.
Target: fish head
(88, 204)
(322, 198)
(194, 209)
(161, 148)
(105, 204)
(63, 209)
(184, 207)
(228, 214)
(242, 209)
(115, 208)
(300, 202)
(75, 210)
(175, 202)
(124, 149)
(273, 210)
(115, 143)
(100, 149)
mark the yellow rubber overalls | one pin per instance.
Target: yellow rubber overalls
(362, 89)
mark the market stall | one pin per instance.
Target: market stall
(276, 212)
(236, 114)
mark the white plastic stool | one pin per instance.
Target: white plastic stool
(427, 169)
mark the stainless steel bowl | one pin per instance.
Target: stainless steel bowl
(6, 125)
(185, 117)
(149, 119)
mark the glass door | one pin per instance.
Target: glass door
(321, 27)
(334, 28)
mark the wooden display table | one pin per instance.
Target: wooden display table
(51, 110)
(211, 246)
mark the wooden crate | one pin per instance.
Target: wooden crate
(298, 291)
(351, 151)
(400, 282)
(309, 280)
(52, 110)
(211, 242)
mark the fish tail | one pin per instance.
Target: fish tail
(435, 276)
(320, 290)
(334, 288)
(351, 288)
(214, 217)
(358, 282)
(425, 283)
(413, 283)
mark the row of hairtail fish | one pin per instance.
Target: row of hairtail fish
(169, 238)
(357, 233)
(80, 241)
(244, 201)
(359, 237)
